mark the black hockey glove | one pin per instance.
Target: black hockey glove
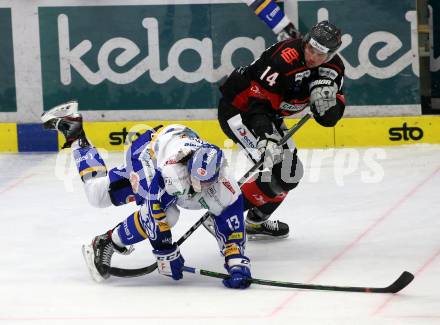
(322, 95)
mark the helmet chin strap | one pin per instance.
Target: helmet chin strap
(191, 192)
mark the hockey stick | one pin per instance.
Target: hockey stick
(402, 281)
(129, 273)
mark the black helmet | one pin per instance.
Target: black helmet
(325, 37)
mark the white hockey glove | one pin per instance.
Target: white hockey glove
(322, 95)
(269, 150)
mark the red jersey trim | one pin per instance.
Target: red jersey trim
(279, 48)
(241, 101)
(256, 196)
(255, 90)
(341, 98)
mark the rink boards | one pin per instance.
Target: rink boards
(350, 132)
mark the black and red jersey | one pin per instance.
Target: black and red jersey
(277, 84)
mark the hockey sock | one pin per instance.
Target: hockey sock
(258, 197)
(269, 12)
(89, 163)
(116, 239)
(130, 230)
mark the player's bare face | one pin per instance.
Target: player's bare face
(313, 57)
(200, 186)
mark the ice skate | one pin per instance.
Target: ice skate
(99, 253)
(258, 227)
(66, 119)
(270, 229)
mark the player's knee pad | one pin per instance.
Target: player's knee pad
(155, 226)
(286, 175)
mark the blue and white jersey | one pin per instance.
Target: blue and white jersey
(157, 178)
(168, 148)
(163, 184)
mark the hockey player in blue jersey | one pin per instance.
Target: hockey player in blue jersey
(165, 168)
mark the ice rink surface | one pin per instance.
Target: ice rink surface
(359, 217)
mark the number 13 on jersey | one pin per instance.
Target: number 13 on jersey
(233, 223)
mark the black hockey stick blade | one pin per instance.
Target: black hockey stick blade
(404, 279)
(132, 273)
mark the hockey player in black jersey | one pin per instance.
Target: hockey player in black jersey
(288, 77)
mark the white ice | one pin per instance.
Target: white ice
(359, 217)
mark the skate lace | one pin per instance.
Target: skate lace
(271, 225)
(107, 254)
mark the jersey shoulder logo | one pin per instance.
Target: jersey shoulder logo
(328, 73)
(301, 75)
(228, 185)
(289, 55)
